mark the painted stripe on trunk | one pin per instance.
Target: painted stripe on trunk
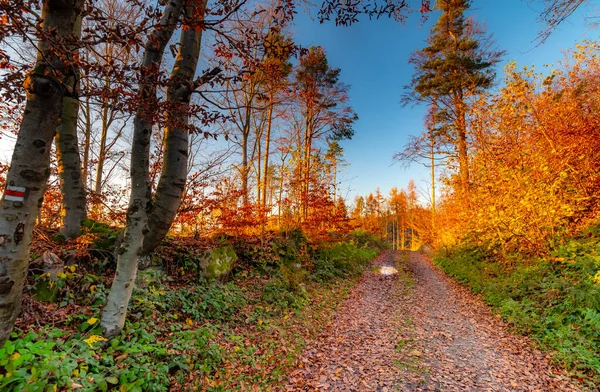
(14, 193)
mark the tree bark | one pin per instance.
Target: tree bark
(69, 170)
(307, 150)
(461, 131)
(115, 310)
(87, 141)
(102, 153)
(267, 147)
(245, 172)
(29, 170)
(73, 210)
(171, 184)
(432, 152)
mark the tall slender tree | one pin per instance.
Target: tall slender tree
(73, 209)
(323, 105)
(456, 65)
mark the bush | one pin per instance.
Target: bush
(343, 259)
(555, 300)
(364, 239)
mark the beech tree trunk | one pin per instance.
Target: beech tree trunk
(115, 310)
(87, 141)
(73, 210)
(29, 169)
(171, 184)
(102, 153)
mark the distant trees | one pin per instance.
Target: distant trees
(398, 219)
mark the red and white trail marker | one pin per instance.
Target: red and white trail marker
(14, 193)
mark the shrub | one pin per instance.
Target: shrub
(556, 300)
(343, 259)
(364, 239)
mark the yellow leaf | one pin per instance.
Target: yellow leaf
(92, 321)
(93, 339)
(15, 356)
(189, 321)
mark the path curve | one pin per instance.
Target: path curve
(420, 331)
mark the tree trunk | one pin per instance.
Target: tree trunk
(258, 149)
(461, 131)
(306, 182)
(403, 234)
(102, 153)
(115, 310)
(280, 198)
(29, 169)
(245, 169)
(432, 152)
(69, 170)
(73, 210)
(171, 184)
(267, 147)
(87, 141)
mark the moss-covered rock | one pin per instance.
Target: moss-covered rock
(218, 262)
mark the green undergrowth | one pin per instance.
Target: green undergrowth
(555, 300)
(184, 334)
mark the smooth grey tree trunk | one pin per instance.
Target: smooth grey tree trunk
(171, 184)
(102, 153)
(73, 210)
(87, 141)
(115, 310)
(29, 169)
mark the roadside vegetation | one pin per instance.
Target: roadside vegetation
(555, 299)
(184, 332)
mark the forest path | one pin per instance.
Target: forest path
(419, 331)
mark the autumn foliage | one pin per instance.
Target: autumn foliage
(535, 159)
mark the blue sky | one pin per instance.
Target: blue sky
(373, 57)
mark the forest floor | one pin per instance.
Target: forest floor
(420, 331)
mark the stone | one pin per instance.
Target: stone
(217, 263)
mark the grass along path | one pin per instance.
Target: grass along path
(420, 331)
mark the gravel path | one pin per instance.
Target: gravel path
(419, 331)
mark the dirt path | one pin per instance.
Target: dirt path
(419, 331)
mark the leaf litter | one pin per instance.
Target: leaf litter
(418, 330)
